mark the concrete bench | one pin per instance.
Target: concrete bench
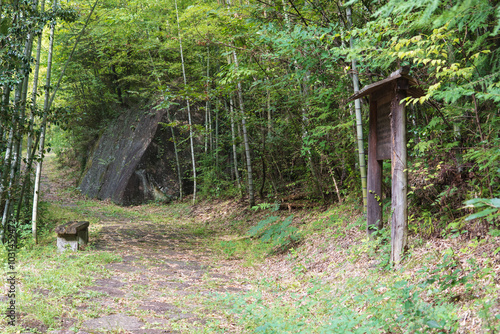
(72, 235)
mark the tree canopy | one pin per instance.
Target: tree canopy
(287, 66)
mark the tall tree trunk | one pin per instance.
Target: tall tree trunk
(210, 139)
(217, 142)
(26, 183)
(42, 132)
(305, 121)
(4, 169)
(23, 101)
(17, 129)
(269, 112)
(177, 162)
(233, 140)
(251, 197)
(6, 181)
(5, 146)
(30, 148)
(263, 160)
(359, 121)
(188, 106)
(207, 104)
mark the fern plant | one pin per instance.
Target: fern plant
(280, 235)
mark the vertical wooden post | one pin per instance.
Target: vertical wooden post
(374, 212)
(399, 229)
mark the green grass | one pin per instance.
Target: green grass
(379, 302)
(252, 252)
(355, 308)
(60, 277)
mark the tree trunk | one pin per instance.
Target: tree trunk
(216, 142)
(210, 139)
(4, 170)
(305, 121)
(269, 113)
(42, 133)
(188, 106)
(207, 104)
(22, 102)
(6, 181)
(29, 146)
(17, 129)
(245, 139)
(177, 162)
(233, 139)
(263, 160)
(359, 121)
(26, 183)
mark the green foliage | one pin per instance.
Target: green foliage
(490, 210)
(294, 71)
(279, 235)
(264, 206)
(364, 305)
(263, 226)
(20, 23)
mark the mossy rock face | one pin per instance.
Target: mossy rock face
(134, 160)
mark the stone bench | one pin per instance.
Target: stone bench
(72, 235)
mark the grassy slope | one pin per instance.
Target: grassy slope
(338, 281)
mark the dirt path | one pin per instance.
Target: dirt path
(160, 285)
(166, 281)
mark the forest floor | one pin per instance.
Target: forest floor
(159, 277)
(180, 268)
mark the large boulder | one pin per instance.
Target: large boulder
(133, 161)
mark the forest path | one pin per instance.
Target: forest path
(166, 281)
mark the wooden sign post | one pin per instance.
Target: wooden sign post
(387, 141)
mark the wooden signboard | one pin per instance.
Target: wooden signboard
(387, 141)
(383, 127)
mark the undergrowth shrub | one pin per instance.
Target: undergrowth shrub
(387, 302)
(281, 236)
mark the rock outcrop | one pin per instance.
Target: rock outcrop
(133, 161)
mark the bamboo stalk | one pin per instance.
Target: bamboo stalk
(233, 139)
(359, 121)
(36, 191)
(251, 196)
(188, 106)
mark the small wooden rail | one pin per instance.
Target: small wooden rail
(72, 235)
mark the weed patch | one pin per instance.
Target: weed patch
(280, 236)
(58, 277)
(371, 304)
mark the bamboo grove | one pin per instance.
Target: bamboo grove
(270, 81)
